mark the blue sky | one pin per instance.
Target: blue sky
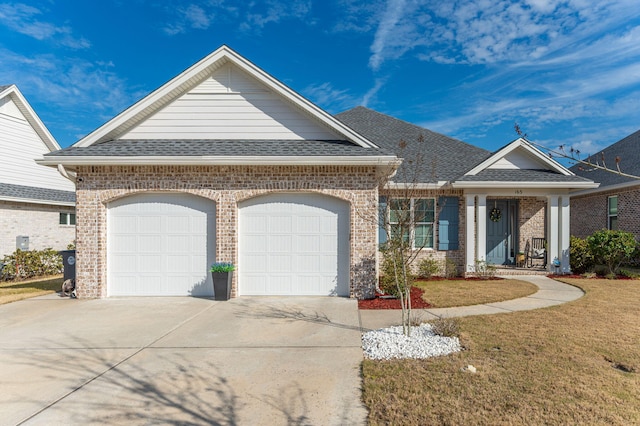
(567, 71)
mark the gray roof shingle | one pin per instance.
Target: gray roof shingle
(628, 149)
(36, 194)
(434, 157)
(202, 147)
(4, 87)
(513, 175)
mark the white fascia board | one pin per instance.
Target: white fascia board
(518, 143)
(401, 185)
(500, 184)
(33, 201)
(213, 160)
(617, 187)
(180, 85)
(31, 116)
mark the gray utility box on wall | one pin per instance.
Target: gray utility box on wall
(22, 242)
(69, 263)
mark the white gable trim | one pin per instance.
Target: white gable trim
(521, 143)
(195, 75)
(31, 116)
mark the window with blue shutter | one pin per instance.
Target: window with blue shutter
(448, 220)
(382, 212)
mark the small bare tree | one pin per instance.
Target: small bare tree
(404, 218)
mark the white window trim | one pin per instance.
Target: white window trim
(609, 215)
(68, 218)
(413, 222)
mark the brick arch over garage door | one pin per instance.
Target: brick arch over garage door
(293, 244)
(160, 244)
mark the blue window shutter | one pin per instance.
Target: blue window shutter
(382, 210)
(448, 220)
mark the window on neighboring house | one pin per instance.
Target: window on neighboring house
(413, 219)
(613, 213)
(67, 218)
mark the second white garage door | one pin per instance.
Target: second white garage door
(293, 244)
(160, 245)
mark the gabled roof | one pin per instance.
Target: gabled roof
(429, 157)
(31, 116)
(628, 150)
(433, 158)
(195, 75)
(521, 164)
(24, 137)
(527, 150)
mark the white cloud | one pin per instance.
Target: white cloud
(386, 35)
(78, 90)
(24, 19)
(371, 93)
(329, 98)
(192, 16)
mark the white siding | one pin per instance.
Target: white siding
(230, 105)
(518, 159)
(20, 146)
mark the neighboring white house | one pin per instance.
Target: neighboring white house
(35, 201)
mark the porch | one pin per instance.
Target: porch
(501, 227)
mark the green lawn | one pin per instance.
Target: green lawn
(11, 291)
(576, 363)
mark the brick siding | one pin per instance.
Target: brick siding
(40, 222)
(227, 186)
(589, 213)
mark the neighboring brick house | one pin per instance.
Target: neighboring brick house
(615, 204)
(226, 163)
(36, 202)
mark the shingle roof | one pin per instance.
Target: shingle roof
(437, 157)
(628, 149)
(200, 147)
(36, 194)
(513, 175)
(4, 87)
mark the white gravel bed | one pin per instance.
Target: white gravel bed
(389, 343)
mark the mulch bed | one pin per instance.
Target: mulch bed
(379, 303)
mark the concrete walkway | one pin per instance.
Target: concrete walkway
(550, 293)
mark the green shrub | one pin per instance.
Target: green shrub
(34, 263)
(388, 274)
(611, 248)
(446, 327)
(451, 269)
(580, 257)
(428, 267)
(485, 270)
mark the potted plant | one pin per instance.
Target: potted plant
(520, 258)
(222, 273)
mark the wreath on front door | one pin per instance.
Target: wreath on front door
(495, 215)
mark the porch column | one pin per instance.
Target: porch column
(565, 233)
(470, 245)
(552, 231)
(481, 237)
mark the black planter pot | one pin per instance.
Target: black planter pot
(222, 285)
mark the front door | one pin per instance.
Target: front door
(498, 214)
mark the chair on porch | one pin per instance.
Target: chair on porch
(536, 250)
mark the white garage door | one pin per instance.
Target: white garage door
(293, 244)
(160, 245)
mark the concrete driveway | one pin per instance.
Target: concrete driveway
(180, 361)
